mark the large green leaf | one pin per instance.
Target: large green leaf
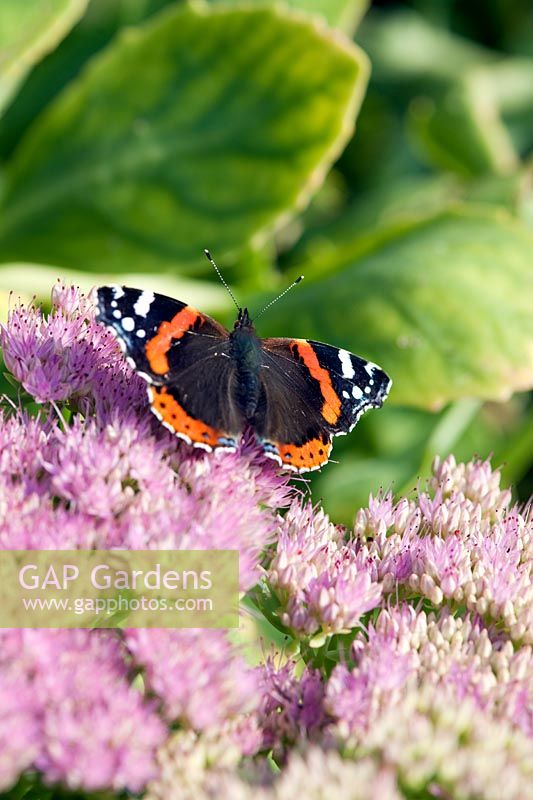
(343, 14)
(102, 20)
(483, 121)
(29, 30)
(444, 304)
(204, 127)
(404, 443)
(462, 130)
(406, 199)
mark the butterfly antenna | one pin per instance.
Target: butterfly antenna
(218, 272)
(275, 300)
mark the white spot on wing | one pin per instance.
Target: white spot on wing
(128, 323)
(346, 363)
(117, 314)
(143, 303)
(370, 367)
(141, 333)
(118, 292)
(357, 393)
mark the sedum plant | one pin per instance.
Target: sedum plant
(404, 659)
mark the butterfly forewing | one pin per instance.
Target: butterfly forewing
(360, 385)
(184, 355)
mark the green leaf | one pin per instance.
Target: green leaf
(345, 487)
(383, 453)
(230, 130)
(408, 199)
(379, 207)
(482, 122)
(510, 82)
(256, 635)
(28, 31)
(444, 304)
(516, 454)
(446, 433)
(94, 31)
(343, 14)
(398, 453)
(462, 130)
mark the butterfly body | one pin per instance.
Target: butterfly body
(207, 384)
(245, 350)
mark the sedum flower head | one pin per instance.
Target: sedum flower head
(405, 648)
(189, 772)
(57, 356)
(323, 581)
(108, 475)
(114, 477)
(459, 543)
(444, 746)
(197, 674)
(88, 727)
(292, 706)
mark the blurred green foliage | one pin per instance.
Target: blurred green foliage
(134, 133)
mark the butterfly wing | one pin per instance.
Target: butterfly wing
(184, 356)
(310, 393)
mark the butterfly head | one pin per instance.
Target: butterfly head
(243, 319)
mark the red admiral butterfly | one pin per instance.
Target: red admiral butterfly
(207, 384)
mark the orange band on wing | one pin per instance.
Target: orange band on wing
(331, 409)
(311, 455)
(158, 347)
(168, 410)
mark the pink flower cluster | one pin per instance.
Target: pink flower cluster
(405, 648)
(177, 660)
(95, 469)
(406, 668)
(323, 580)
(114, 477)
(69, 709)
(458, 544)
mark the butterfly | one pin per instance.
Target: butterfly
(207, 384)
